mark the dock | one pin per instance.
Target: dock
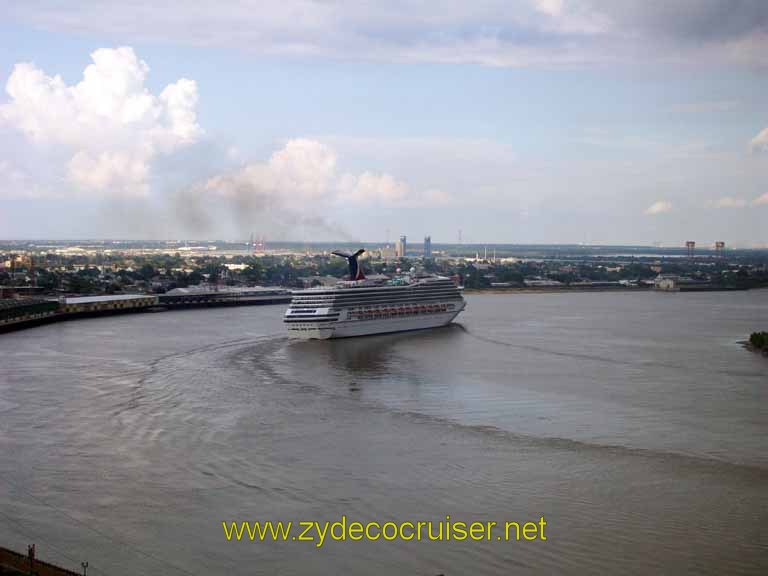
(15, 564)
(18, 314)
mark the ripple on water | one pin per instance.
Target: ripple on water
(621, 444)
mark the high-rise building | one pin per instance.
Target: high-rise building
(400, 248)
(427, 246)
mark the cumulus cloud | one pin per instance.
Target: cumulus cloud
(730, 202)
(659, 207)
(305, 171)
(295, 177)
(109, 124)
(760, 142)
(297, 183)
(369, 187)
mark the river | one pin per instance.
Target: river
(635, 423)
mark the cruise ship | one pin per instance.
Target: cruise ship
(361, 306)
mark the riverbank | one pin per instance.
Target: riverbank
(29, 313)
(554, 289)
(22, 314)
(599, 288)
(757, 343)
(754, 349)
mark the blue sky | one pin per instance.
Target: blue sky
(530, 121)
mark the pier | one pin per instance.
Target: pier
(15, 564)
(18, 314)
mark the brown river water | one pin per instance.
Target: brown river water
(635, 423)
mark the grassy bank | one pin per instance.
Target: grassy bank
(758, 341)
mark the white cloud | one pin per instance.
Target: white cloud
(113, 173)
(760, 142)
(298, 187)
(299, 173)
(302, 175)
(490, 33)
(761, 200)
(369, 187)
(730, 202)
(303, 168)
(659, 207)
(109, 123)
(550, 7)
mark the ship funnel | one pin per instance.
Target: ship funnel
(355, 271)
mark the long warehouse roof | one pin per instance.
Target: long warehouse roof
(112, 298)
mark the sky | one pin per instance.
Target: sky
(520, 121)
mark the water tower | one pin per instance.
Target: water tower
(719, 249)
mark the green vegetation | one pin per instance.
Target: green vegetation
(103, 268)
(759, 340)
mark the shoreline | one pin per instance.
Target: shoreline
(754, 349)
(54, 317)
(554, 289)
(587, 289)
(759, 351)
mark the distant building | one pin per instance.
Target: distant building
(667, 282)
(387, 253)
(538, 282)
(401, 247)
(675, 283)
(427, 246)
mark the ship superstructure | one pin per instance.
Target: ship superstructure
(360, 306)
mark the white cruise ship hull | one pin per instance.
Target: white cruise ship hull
(362, 308)
(346, 329)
